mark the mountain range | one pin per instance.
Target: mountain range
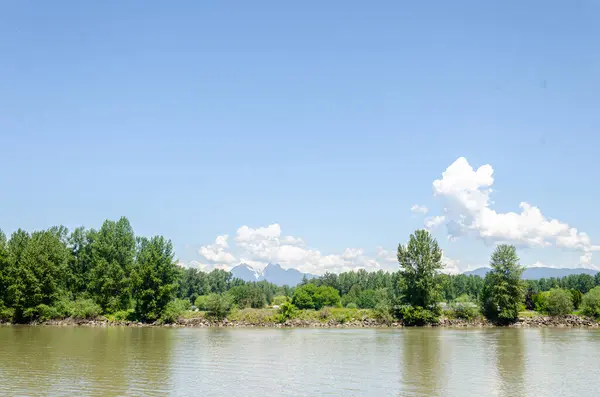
(535, 273)
(272, 273)
(277, 275)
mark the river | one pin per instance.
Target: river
(113, 361)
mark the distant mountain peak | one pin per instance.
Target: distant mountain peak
(272, 273)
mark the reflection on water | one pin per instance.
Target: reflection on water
(67, 361)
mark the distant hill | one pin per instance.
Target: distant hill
(272, 273)
(535, 273)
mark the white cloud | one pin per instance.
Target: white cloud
(216, 253)
(537, 264)
(259, 246)
(419, 209)
(466, 196)
(450, 265)
(434, 221)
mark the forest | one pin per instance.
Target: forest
(110, 272)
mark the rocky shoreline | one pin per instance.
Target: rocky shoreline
(568, 321)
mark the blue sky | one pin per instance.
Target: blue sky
(327, 120)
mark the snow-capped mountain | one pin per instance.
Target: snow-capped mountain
(272, 273)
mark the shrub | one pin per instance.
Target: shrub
(367, 299)
(41, 312)
(383, 313)
(559, 302)
(590, 305)
(463, 307)
(326, 296)
(280, 300)
(539, 302)
(577, 297)
(201, 302)
(303, 296)
(352, 305)
(83, 309)
(6, 314)
(287, 311)
(122, 315)
(218, 306)
(325, 313)
(174, 310)
(417, 316)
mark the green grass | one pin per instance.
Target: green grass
(530, 313)
(270, 315)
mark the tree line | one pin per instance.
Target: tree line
(85, 273)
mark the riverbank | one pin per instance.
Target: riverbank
(200, 321)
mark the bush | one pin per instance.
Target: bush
(7, 314)
(325, 313)
(352, 305)
(367, 299)
(310, 296)
(122, 315)
(287, 311)
(417, 316)
(201, 302)
(280, 300)
(383, 313)
(218, 306)
(590, 305)
(577, 297)
(326, 296)
(559, 302)
(464, 307)
(174, 310)
(539, 302)
(303, 296)
(84, 309)
(41, 312)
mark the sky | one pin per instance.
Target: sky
(318, 135)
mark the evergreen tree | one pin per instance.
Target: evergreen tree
(503, 290)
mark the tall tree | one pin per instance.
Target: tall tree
(154, 279)
(113, 253)
(38, 272)
(420, 262)
(3, 268)
(503, 290)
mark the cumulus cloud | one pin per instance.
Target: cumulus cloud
(466, 191)
(434, 221)
(419, 209)
(450, 265)
(216, 253)
(259, 246)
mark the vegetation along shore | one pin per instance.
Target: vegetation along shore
(111, 277)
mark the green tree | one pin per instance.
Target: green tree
(559, 302)
(3, 273)
(326, 296)
(304, 296)
(577, 297)
(36, 273)
(352, 296)
(112, 256)
(590, 305)
(503, 290)
(154, 277)
(80, 261)
(420, 262)
(218, 306)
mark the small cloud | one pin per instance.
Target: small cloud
(418, 209)
(434, 221)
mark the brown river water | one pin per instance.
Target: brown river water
(114, 361)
